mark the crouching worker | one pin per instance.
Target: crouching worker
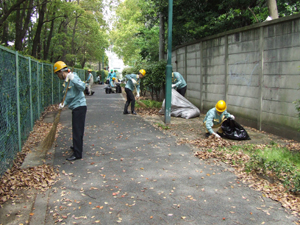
(76, 101)
(215, 117)
(132, 83)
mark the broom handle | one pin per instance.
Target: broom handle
(66, 90)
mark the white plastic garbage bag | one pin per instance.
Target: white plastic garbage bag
(181, 107)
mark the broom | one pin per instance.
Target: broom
(49, 139)
(142, 104)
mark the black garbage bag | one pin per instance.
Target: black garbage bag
(233, 130)
(86, 91)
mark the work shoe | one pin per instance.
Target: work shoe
(72, 158)
(126, 108)
(207, 135)
(133, 112)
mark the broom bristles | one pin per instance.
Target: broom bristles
(141, 103)
(49, 139)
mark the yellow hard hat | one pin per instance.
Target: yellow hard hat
(58, 66)
(89, 70)
(221, 106)
(113, 78)
(143, 72)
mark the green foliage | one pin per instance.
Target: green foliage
(136, 33)
(126, 27)
(72, 31)
(152, 104)
(192, 20)
(154, 79)
(280, 162)
(128, 70)
(148, 42)
(163, 126)
(272, 161)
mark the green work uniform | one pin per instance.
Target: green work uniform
(213, 119)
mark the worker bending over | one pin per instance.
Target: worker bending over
(133, 82)
(179, 83)
(215, 117)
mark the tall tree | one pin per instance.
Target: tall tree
(161, 36)
(37, 38)
(273, 12)
(124, 31)
(7, 7)
(22, 14)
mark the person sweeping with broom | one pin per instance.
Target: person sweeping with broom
(75, 99)
(133, 81)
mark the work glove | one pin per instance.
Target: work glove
(133, 81)
(173, 85)
(61, 105)
(138, 94)
(232, 117)
(137, 76)
(70, 76)
(216, 135)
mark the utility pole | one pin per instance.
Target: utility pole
(169, 67)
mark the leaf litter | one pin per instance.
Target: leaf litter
(185, 128)
(41, 177)
(275, 191)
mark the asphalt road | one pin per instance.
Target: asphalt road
(133, 173)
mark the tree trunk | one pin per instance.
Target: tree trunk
(152, 93)
(157, 94)
(83, 62)
(37, 38)
(4, 38)
(47, 46)
(161, 36)
(6, 12)
(273, 12)
(73, 35)
(20, 28)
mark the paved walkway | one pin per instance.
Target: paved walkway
(132, 173)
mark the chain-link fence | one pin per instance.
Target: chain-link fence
(27, 88)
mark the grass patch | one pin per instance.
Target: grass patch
(271, 160)
(150, 104)
(278, 162)
(280, 155)
(163, 126)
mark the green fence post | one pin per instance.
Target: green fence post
(18, 100)
(52, 90)
(38, 89)
(169, 67)
(42, 87)
(30, 93)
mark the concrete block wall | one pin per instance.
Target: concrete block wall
(255, 69)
